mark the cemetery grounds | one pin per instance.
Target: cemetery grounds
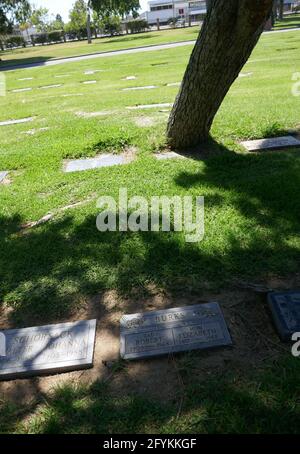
(63, 269)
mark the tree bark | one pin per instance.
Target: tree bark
(230, 32)
(88, 26)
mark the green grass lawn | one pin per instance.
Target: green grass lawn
(289, 21)
(43, 53)
(251, 222)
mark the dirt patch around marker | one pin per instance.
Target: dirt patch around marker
(246, 314)
(130, 154)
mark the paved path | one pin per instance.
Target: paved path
(135, 50)
(99, 55)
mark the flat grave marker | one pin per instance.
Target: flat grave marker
(269, 144)
(45, 87)
(129, 78)
(3, 175)
(89, 82)
(285, 309)
(69, 95)
(91, 114)
(32, 132)
(48, 349)
(168, 331)
(26, 78)
(106, 160)
(88, 72)
(174, 84)
(245, 74)
(15, 122)
(20, 90)
(149, 106)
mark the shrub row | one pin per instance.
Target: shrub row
(137, 25)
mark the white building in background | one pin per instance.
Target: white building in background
(25, 33)
(165, 10)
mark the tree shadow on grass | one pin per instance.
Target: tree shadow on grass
(255, 402)
(130, 38)
(19, 63)
(46, 272)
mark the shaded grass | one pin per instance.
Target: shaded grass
(252, 402)
(251, 218)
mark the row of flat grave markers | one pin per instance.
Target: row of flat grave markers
(70, 346)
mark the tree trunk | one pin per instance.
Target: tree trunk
(88, 27)
(226, 40)
(274, 12)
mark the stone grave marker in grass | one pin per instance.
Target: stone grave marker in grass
(15, 122)
(245, 74)
(147, 87)
(47, 349)
(89, 72)
(105, 160)
(20, 90)
(173, 330)
(168, 155)
(3, 175)
(91, 114)
(285, 309)
(269, 144)
(45, 87)
(32, 132)
(149, 106)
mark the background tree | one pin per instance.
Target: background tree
(122, 8)
(11, 10)
(40, 19)
(88, 22)
(111, 25)
(78, 19)
(281, 8)
(57, 23)
(230, 31)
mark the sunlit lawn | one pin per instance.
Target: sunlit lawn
(288, 21)
(47, 52)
